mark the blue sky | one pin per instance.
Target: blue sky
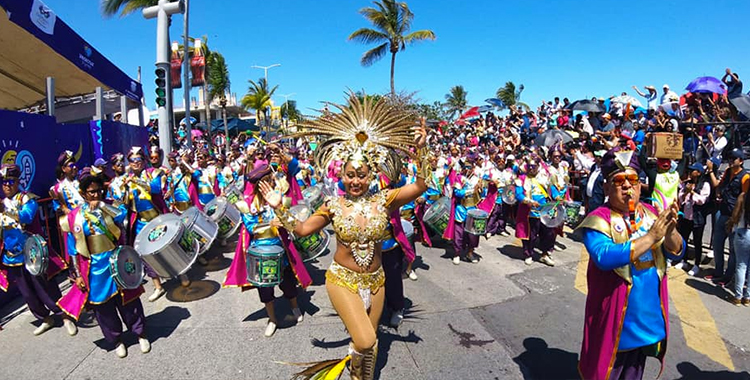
(563, 48)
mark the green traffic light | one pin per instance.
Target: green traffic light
(161, 102)
(161, 92)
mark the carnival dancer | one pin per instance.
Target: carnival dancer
(178, 183)
(466, 194)
(157, 174)
(364, 136)
(435, 188)
(64, 194)
(627, 304)
(497, 180)
(19, 215)
(261, 221)
(532, 191)
(143, 192)
(93, 238)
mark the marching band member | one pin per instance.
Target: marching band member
(143, 193)
(19, 214)
(157, 174)
(92, 239)
(261, 221)
(435, 188)
(206, 176)
(532, 192)
(558, 182)
(365, 140)
(65, 193)
(466, 189)
(178, 183)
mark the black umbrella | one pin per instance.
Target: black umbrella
(551, 137)
(586, 105)
(742, 103)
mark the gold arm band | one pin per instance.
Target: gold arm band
(288, 221)
(109, 209)
(423, 163)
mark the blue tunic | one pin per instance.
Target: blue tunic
(14, 238)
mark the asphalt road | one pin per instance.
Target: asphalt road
(498, 319)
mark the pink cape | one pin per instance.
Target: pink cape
(448, 234)
(400, 236)
(606, 303)
(74, 301)
(419, 210)
(522, 217)
(488, 203)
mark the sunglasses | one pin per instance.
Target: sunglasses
(136, 159)
(619, 179)
(9, 182)
(71, 165)
(95, 191)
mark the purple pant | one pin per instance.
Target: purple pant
(111, 323)
(629, 365)
(149, 271)
(538, 234)
(393, 263)
(463, 242)
(288, 286)
(40, 295)
(496, 221)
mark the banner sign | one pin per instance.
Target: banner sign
(176, 70)
(198, 69)
(37, 19)
(110, 137)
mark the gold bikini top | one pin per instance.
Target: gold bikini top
(343, 212)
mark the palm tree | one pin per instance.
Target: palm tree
(392, 21)
(125, 7)
(218, 87)
(511, 96)
(455, 101)
(290, 112)
(258, 97)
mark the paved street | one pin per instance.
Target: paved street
(498, 319)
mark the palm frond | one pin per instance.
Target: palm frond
(125, 7)
(366, 36)
(373, 55)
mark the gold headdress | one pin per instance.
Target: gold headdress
(364, 131)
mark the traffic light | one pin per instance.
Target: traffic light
(161, 86)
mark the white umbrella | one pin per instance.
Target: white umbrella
(627, 99)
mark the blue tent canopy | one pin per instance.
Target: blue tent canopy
(234, 124)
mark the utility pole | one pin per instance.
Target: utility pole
(161, 12)
(186, 75)
(265, 69)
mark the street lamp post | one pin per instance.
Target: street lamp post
(265, 69)
(286, 104)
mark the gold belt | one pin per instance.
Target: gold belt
(434, 197)
(148, 215)
(470, 201)
(206, 190)
(353, 281)
(99, 243)
(641, 265)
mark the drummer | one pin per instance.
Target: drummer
(19, 214)
(142, 191)
(65, 195)
(497, 178)
(207, 181)
(559, 180)
(116, 190)
(466, 189)
(532, 191)
(178, 195)
(157, 174)
(435, 187)
(261, 222)
(93, 238)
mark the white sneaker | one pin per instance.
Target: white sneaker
(70, 326)
(396, 318)
(145, 345)
(46, 325)
(504, 233)
(270, 329)
(456, 260)
(202, 260)
(413, 275)
(528, 261)
(487, 235)
(158, 292)
(694, 270)
(679, 265)
(121, 351)
(710, 254)
(547, 259)
(298, 314)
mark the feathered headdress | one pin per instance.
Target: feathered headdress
(365, 130)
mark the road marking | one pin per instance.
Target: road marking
(583, 265)
(698, 326)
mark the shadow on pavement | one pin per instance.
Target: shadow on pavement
(690, 371)
(159, 325)
(283, 310)
(385, 341)
(196, 290)
(708, 288)
(512, 251)
(539, 361)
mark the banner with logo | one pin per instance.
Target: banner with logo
(110, 137)
(175, 72)
(198, 69)
(37, 19)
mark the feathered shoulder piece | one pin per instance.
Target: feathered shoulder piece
(363, 131)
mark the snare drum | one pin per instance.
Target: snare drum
(232, 193)
(313, 195)
(408, 229)
(476, 221)
(264, 265)
(552, 214)
(508, 194)
(167, 246)
(126, 267)
(35, 255)
(225, 215)
(572, 213)
(438, 215)
(203, 229)
(312, 246)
